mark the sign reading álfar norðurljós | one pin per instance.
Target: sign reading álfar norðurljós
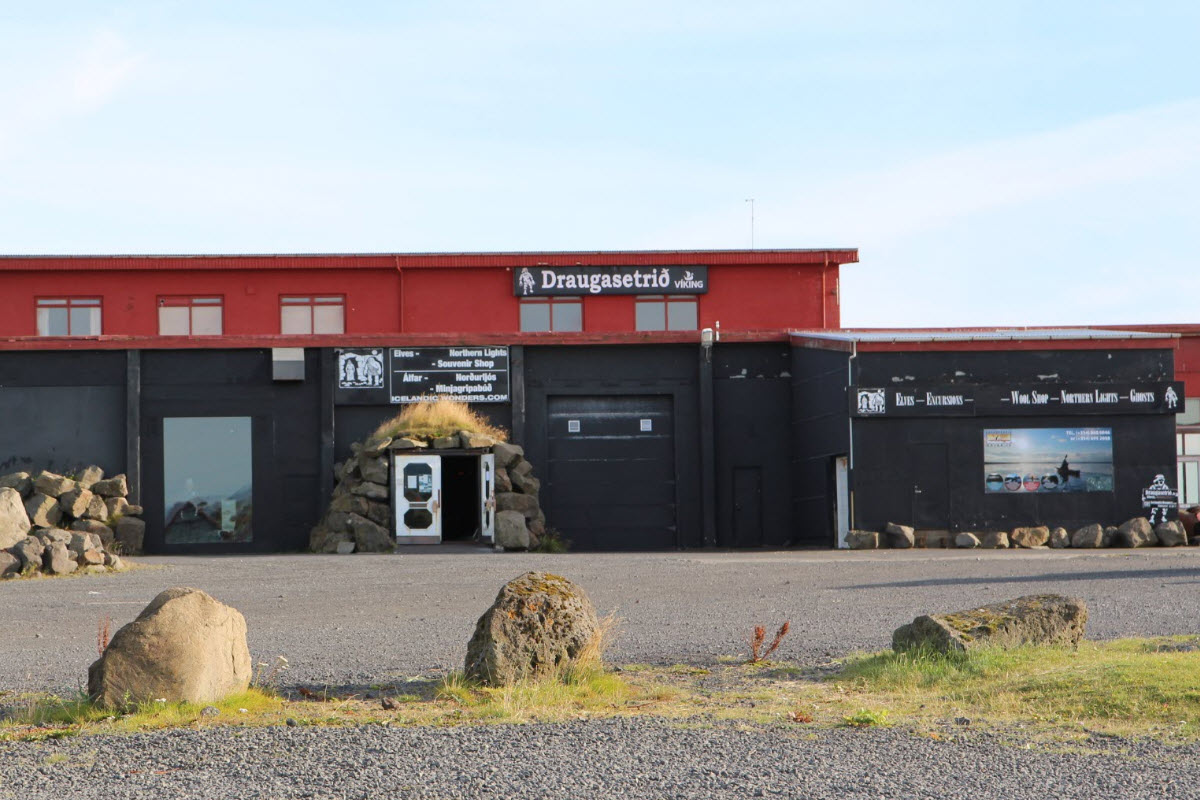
(567, 281)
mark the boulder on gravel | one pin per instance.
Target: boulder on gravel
(967, 540)
(1030, 538)
(899, 536)
(130, 533)
(539, 624)
(524, 503)
(369, 537)
(57, 559)
(511, 532)
(862, 540)
(14, 520)
(1034, 619)
(1135, 532)
(29, 550)
(98, 528)
(185, 647)
(10, 565)
(994, 540)
(1088, 536)
(1170, 533)
(1059, 538)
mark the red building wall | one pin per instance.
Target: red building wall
(757, 290)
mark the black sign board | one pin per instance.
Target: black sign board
(543, 281)
(970, 400)
(1161, 499)
(408, 374)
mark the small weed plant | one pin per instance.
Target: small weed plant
(866, 718)
(759, 636)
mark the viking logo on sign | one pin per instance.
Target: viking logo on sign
(871, 401)
(360, 370)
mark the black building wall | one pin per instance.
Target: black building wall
(943, 456)
(820, 433)
(62, 411)
(752, 419)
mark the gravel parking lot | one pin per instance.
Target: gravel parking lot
(364, 619)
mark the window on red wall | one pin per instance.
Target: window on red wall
(666, 313)
(190, 316)
(302, 314)
(68, 316)
(545, 314)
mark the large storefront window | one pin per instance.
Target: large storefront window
(559, 314)
(207, 480)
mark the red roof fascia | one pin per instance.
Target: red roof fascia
(434, 260)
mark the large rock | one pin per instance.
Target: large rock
(374, 470)
(96, 509)
(75, 502)
(10, 565)
(511, 533)
(511, 501)
(43, 510)
(184, 647)
(88, 477)
(1059, 538)
(370, 537)
(19, 481)
(370, 490)
(115, 506)
(446, 442)
(525, 483)
(107, 537)
(900, 536)
(475, 441)
(539, 624)
(503, 484)
(58, 560)
(1030, 537)
(1088, 536)
(967, 540)
(29, 550)
(115, 486)
(1135, 532)
(130, 533)
(994, 540)
(351, 504)
(862, 540)
(507, 454)
(52, 484)
(14, 520)
(1035, 619)
(1170, 534)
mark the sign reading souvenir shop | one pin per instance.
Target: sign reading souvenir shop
(396, 375)
(574, 281)
(1016, 400)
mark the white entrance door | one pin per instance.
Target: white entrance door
(417, 496)
(487, 496)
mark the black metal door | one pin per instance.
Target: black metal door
(930, 495)
(747, 507)
(611, 471)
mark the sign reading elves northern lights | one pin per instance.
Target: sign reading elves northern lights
(472, 374)
(544, 281)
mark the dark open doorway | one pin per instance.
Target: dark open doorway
(460, 497)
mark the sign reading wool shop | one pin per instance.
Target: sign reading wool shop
(573, 281)
(376, 376)
(1016, 400)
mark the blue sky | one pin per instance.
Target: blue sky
(1016, 163)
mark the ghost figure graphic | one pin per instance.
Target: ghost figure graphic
(1171, 398)
(348, 369)
(526, 281)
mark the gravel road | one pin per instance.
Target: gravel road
(352, 621)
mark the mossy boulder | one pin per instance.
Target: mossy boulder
(539, 624)
(1034, 619)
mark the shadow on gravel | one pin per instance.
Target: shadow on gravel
(1053, 577)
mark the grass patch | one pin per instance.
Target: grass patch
(1132, 687)
(436, 417)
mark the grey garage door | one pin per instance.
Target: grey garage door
(611, 471)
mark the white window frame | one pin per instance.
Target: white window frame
(551, 303)
(310, 302)
(1187, 449)
(192, 303)
(69, 304)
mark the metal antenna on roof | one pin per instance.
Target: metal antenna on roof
(750, 200)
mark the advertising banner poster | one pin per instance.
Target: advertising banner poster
(1019, 460)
